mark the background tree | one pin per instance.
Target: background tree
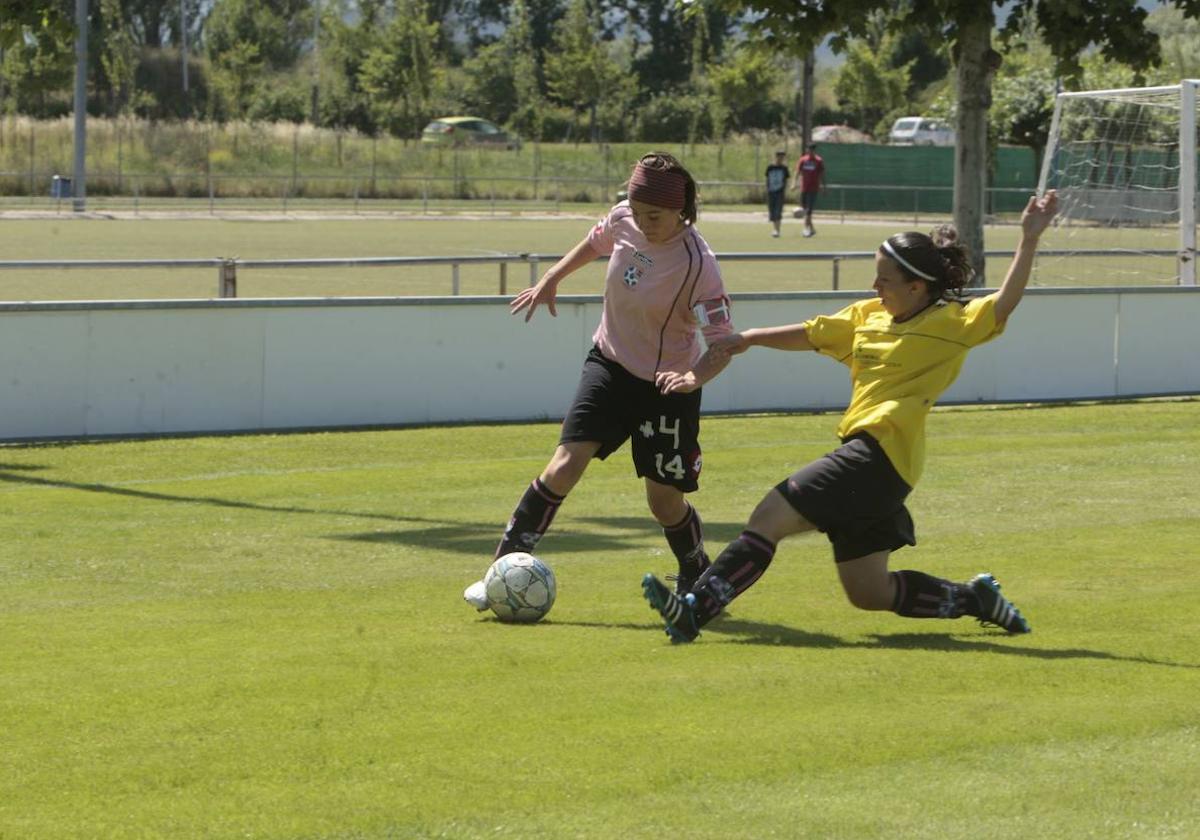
(1180, 39)
(579, 71)
(398, 71)
(115, 49)
(252, 45)
(21, 19)
(344, 45)
(527, 89)
(742, 82)
(869, 83)
(37, 44)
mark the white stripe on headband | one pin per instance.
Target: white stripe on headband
(887, 246)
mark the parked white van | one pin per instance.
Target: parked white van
(920, 131)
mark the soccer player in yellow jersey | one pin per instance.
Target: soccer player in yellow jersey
(904, 348)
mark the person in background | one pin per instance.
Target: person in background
(662, 290)
(810, 181)
(904, 348)
(778, 176)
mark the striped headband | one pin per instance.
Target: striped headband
(658, 187)
(887, 246)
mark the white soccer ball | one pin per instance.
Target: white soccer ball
(520, 588)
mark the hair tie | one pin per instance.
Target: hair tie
(887, 246)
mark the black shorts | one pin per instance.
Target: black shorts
(808, 200)
(775, 206)
(612, 405)
(855, 497)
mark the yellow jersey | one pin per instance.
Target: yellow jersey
(898, 370)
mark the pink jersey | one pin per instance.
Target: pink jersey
(657, 296)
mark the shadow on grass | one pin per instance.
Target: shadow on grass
(597, 625)
(760, 633)
(149, 495)
(606, 533)
(615, 533)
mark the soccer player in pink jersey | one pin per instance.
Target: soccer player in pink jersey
(662, 290)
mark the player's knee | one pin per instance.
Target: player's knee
(775, 518)
(868, 596)
(667, 508)
(566, 467)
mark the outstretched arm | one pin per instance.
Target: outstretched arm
(1038, 214)
(722, 350)
(546, 290)
(788, 337)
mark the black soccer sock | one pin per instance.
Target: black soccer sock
(736, 569)
(530, 520)
(919, 595)
(686, 538)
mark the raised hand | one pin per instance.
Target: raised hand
(533, 297)
(1039, 213)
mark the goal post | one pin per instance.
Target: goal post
(1124, 164)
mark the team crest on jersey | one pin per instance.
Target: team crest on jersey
(632, 275)
(644, 259)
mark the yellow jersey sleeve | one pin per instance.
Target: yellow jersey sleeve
(833, 335)
(978, 321)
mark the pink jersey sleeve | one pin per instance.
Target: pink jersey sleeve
(601, 235)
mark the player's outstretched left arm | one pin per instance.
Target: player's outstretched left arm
(722, 350)
(1036, 217)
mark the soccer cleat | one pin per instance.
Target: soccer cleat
(476, 596)
(683, 583)
(685, 580)
(676, 612)
(994, 608)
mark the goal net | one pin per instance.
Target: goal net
(1124, 165)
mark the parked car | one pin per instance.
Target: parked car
(921, 131)
(468, 131)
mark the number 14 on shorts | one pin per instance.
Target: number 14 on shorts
(675, 465)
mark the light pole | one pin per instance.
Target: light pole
(79, 182)
(183, 44)
(316, 87)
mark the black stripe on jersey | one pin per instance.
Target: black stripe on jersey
(693, 259)
(918, 335)
(699, 265)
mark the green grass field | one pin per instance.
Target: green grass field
(262, 636)
(205, 237)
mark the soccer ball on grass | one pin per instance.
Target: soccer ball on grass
(520, 588)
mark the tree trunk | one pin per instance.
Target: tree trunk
(806, 101)
(152, 20)
(976, 63)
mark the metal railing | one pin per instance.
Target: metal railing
(228, 268)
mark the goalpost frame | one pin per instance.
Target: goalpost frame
(1186, 260)
(1187, 182)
